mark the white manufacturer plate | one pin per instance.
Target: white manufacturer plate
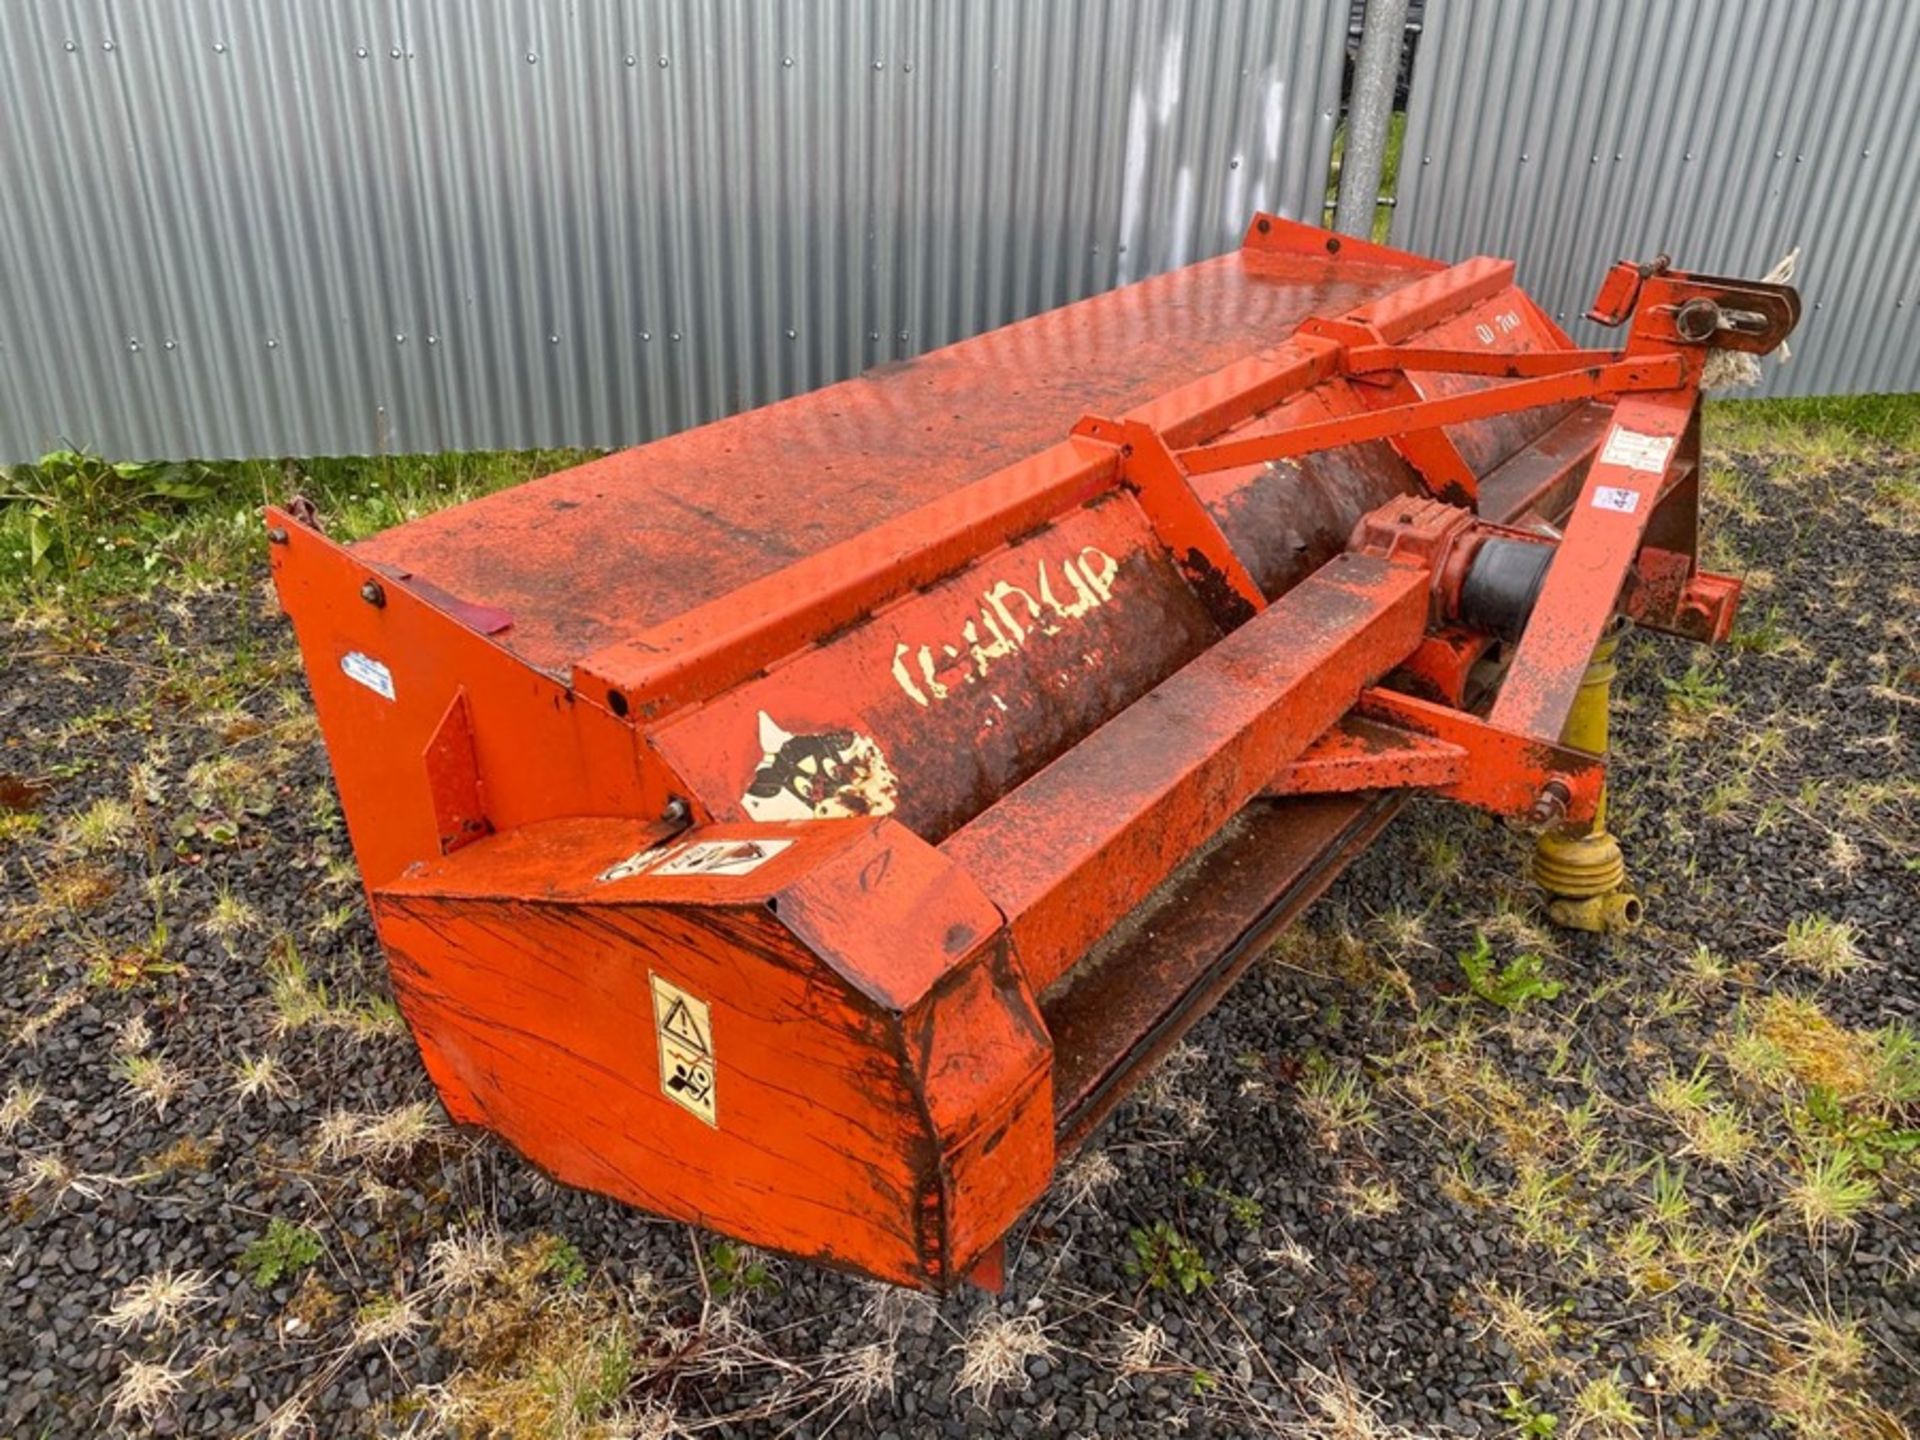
(1616, 497)
(369, 672)
(1636, 450)
(685, 1030)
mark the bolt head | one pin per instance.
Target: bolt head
(374, 593)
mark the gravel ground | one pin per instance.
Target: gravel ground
(1658, 1186)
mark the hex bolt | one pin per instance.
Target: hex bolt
(374, 594)
(675, 812)
(276, 535)
(1551, 805)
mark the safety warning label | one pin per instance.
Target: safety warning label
(697, 857)
(685, 1032)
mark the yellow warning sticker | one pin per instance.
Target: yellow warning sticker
(685, 1032)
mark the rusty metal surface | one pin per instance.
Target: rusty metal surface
(1157, 975)
(1078, 845)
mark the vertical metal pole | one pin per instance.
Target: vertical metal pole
(1369, 114)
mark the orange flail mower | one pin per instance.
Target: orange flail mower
(810, 825)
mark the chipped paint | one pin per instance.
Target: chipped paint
(832, 775)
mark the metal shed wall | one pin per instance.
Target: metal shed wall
(1724, 132)
(259, 227)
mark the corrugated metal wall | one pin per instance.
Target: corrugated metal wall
(253, 227)
(1569, 135)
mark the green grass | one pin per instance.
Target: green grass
(83, 526)
(1840, 424)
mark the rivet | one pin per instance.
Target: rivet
(788, 62)
(71, 47)
(273, 344)
(631, 61)
(879, 65)
(793, 334)
(399, 339)
(106, 45)
(1234, 164)
(433, 339)
(394, 53)
(132, 344)
(663, 62)
(532, 59)
(360, 51)
(646, 335)
(168, 345)
(908, 67)
(675, 337)
(553, 339)
(219, 47)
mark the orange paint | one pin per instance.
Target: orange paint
(751, 818)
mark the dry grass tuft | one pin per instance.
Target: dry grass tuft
(1531, 1331)
(467, 1259)
(387, 1320)
(1336, 1410)
(1682, 1353)
(1140, 1348)
(158, 1302)
(1083, 1178)
(863, 1374)
(995, 1351)
(383, 1137)
(18, 1105)
(153, 1078)
(103, 826)
(1829, 948)
(1603, 1409)
(255, 1076)
(145, 1389)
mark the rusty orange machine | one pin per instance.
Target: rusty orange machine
(811, 824)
